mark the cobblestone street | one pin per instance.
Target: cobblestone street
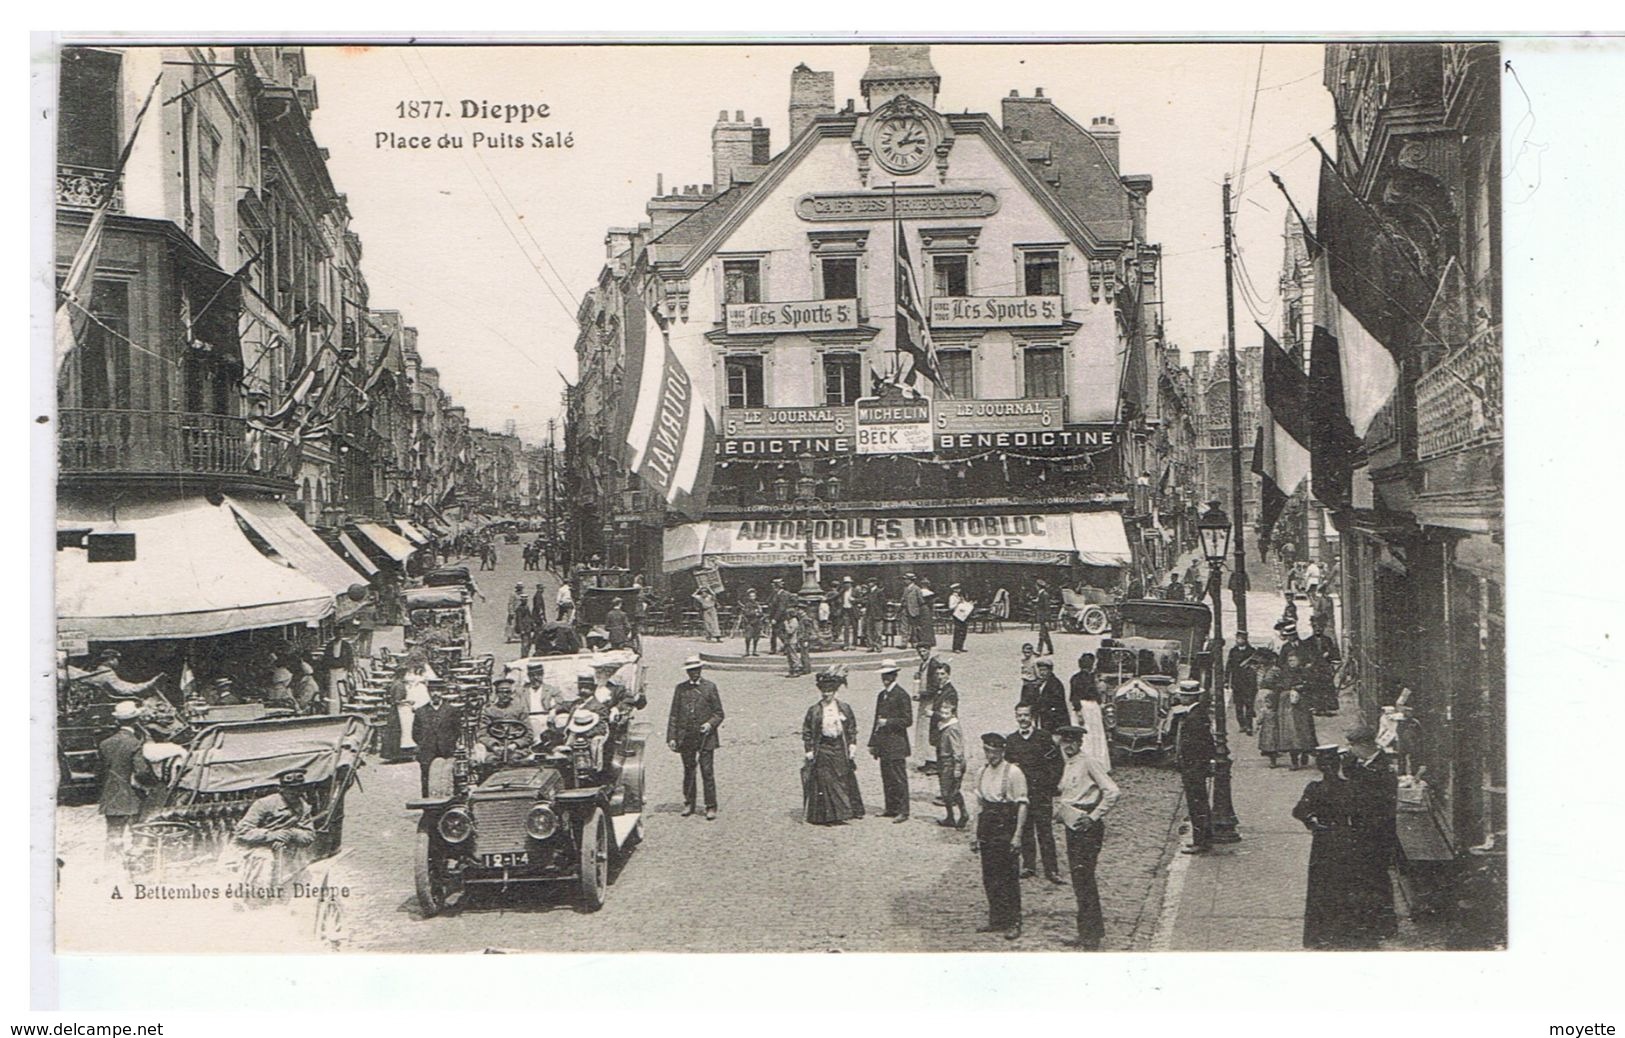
(757, 878)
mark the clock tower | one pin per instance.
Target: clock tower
(899, 70)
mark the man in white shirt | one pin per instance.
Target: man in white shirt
(1085, 795)
(1001, 794)
(564, 602)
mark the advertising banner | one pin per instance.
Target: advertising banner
(766, 432)
(891, 426)
(817, 315)
(997, 312)
(988, 416)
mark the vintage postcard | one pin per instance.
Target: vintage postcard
(778, 497)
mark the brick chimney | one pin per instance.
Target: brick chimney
(811, 94)
(1103, 128)
(738, 148)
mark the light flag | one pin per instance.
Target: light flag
(669, 427)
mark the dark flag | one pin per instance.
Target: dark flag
(1281, 453)
(913, 335)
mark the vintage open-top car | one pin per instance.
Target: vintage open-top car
(595, 591)
(228, 767)
(527, 808)
(1147, 674)
(439, 617)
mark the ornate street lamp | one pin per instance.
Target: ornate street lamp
(1213, 528)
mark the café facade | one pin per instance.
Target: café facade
(1024, 246)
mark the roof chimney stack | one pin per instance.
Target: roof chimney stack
(812, 94)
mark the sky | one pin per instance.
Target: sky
(487, 250)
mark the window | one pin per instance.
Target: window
(744, 381)
(840, 277)
(950, 276)
(103, 355)
(208, 166)
(1042, 271)
(742, 281)
(1043, 372)
(88, 106)
(956, 367)
(843, 378)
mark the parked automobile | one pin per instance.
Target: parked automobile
(228, 767)
(1149, 674)
(555, 809)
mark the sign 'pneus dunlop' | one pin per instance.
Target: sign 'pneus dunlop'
(893, 426)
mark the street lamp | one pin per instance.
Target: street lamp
(1214, 530)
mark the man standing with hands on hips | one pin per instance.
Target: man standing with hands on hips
(1085, 795)
(691, 732)
(888, 742)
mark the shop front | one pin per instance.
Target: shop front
(981, 552)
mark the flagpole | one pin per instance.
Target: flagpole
(896, 259)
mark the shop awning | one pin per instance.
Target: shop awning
(195, 574)
(357, 557)
(1096, 538)
(412, 533)
(301, 547)
(1099, 539)
(387, 541)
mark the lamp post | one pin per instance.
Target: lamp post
(805, 499)
(1214, 529)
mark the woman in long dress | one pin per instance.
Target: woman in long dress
(1297, 711)
(1325, 809)
(750, 621)
(1086, 701)
(829, 737)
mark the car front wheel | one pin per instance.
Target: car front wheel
(429, 871)
(594, 858)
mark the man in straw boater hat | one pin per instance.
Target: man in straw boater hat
(888, 741)
(125, 776)
(829, 739)
(1001, 792)
(691, 733)
(1085, 795)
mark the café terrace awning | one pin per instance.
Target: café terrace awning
(195, 574)
(412, 533)
(387, 541)
(301, 547)
(356, 556)
(1093, 538)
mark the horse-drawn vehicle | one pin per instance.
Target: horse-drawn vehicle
(554, 802)
(1149, 673)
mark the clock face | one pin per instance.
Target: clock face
(903, 143)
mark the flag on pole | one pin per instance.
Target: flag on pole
(1281, 450)
(73, 298)
(669, 425)
(1368, 312)
(913, 334)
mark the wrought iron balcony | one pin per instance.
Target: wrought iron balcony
(82, 187)
(112, 442)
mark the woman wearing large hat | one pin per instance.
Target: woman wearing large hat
(829, 735)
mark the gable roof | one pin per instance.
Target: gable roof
(705, 230)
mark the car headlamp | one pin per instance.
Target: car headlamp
(541, 822)
(456, 825)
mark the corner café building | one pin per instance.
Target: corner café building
(1027, 249)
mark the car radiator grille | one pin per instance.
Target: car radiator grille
(500, 826)
(1136, 713)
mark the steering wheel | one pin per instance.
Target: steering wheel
(505, 730)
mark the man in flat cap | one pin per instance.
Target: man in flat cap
(436, 728)
(1033, 750)
(1085, 795)
(104, 675)
(1044, 613)
(917, 613)
(888, 741)
(691, 733)
(274, 831)
(1001, 792)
